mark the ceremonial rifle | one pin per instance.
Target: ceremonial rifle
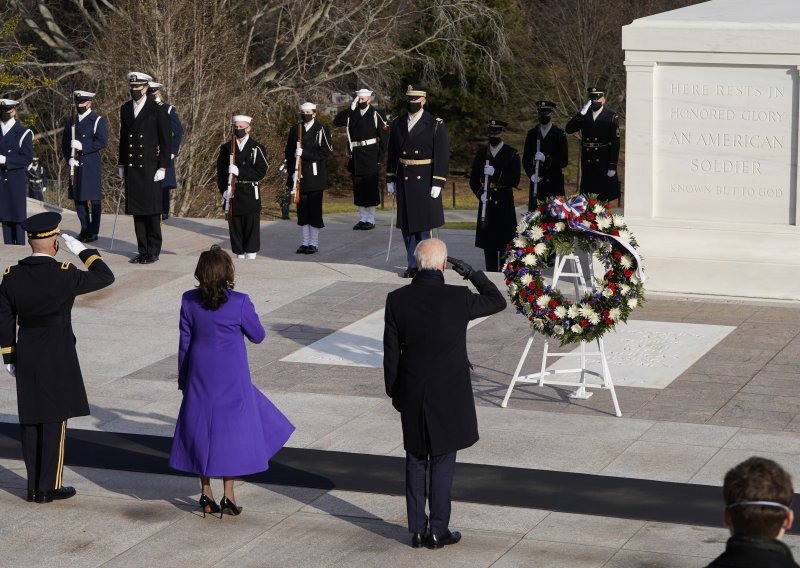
(231, 178)
(485, 199)
(298, 163)
(73, 171)
(536, 169)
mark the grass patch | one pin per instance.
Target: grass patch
(460, 225)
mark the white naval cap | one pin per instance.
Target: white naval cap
(153, 86)
(137, 78)
(242, 118)
(8, 103)
(83, 95)
(308, 106)
(363, 93)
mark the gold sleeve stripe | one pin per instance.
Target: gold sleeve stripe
(8, 350)
(65, 265)
(440, 177)
(88, 262)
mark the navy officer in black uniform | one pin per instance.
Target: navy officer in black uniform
(417, 163)
(545, 145)
(497, 218)
(367, 132)
(170, 181)
(37, 295)
(599, 129)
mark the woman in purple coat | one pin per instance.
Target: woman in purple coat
(226, 427)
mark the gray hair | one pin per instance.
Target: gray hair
(430, 254)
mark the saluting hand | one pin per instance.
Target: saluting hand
(73, 244)
(461, 267)
(12, 369)
(586, 107)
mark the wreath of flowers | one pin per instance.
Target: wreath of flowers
(560, 226)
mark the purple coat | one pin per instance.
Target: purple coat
(226, 426)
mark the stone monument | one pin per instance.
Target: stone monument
(711, 147)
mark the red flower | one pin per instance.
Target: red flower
(608, 206)
(617, 255)
(616, 232)
(530, 248)
(553, 316)
(584, 323)
(609, 274)
(609, 321)
(508, 281)
(593, 226)
(592, 201)
(531, 285)
(627, 273)
(552, 303)
(605, 313)
(612, 286)
(590, 216)
(548, 237)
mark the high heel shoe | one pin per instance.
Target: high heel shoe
(208, 502)
(226, 503)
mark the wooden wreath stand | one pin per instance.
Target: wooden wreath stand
(581, 384)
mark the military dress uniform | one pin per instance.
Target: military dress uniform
(244, 223)
(553, 145)
(16, 154)
(145, 139)
(316, 143)
(367, 132)
(418, 159)
(36, 295)
(170, 180)
(92, 133)
(500, 216)
(599, 149)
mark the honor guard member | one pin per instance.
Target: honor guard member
(367, 132)
(249, 168)
(145, 140)
(37, 180)
(316, 147)
(599, 129)
(416, 170)
(546, 145)
(497, 218)
(16, 154)
(170, 179)
(37, 295)
(91, 136)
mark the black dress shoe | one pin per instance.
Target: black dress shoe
(31, 496)
(82, 238)
(418, 540)
(434, 541)
(359, 226)
(311, 249)
(90, 238)
(302, 249)
(57, 494)
(137, 259)
(368, 226)
(148, 259)
(410, 273)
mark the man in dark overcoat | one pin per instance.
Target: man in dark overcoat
(16, 154)
(244, 199)
(37, 295)
(417, 163)
(599, 128)
(91, 136)
(367, 132)
(170, 179)
(426, 371)
(546, 145)
(497, 218)
(314, 148)
(145, 140)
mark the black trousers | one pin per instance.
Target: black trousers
(165, 202)
(148, 233)
(43, 452)
(492, 258)
(245, 231)
(13, 233)
(309, 210)
(365, 191)
(439, 494)
(89, 218)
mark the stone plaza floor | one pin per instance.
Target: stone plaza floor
(703, 383)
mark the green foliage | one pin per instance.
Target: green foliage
(13, 58)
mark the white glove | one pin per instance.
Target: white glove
(535, 178)
(483, 197)
(160, 175)
(611, 173)
(586, 107)
(121, 172)
(233, 169)
(172, 156)
(354, 104)
(73, 163)
(73, 244)
(76, 144)
(12, 369)
(298, 152)
(488, 170)
(227, 194)
(294, 180)
(435, 191)
(390, 187)
(539, 157)
(2, 159)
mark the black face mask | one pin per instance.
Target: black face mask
(5, 116)
(80, 110)
(240, 132)
(544, 118)
(363, 105)
(596, 105)
(136, 94)
(495, 140)
(413, 108)
(307, 117)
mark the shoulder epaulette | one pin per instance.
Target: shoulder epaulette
(65, 265)
(160, 103)
(7, 270)
(439, 119)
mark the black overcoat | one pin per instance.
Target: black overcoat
(501, 217)
(425, 365)
(599, 152)
(252, 163)
(556, 152)
(417, 211)
(145, 142)
(37, 294)
(316, 149)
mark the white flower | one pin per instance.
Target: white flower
(540, 249)
(607, 293)
(538, 323)
(632, 302)
(520, 241)
(529, 260)
(536, 214)
(599, 209)
(525, 280)
(512, 289)
(537, 233)
(594, 318)
(603, 222)
(560, 226)
(542, 300)
(626, 260)
(606, 245)
(625, 235)
(624, 289)
(614, 314)
(618, 220)
(558, 330)
(576, 328)
(573, 311)
(634, 279)
(560, 311)
(585, 310)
